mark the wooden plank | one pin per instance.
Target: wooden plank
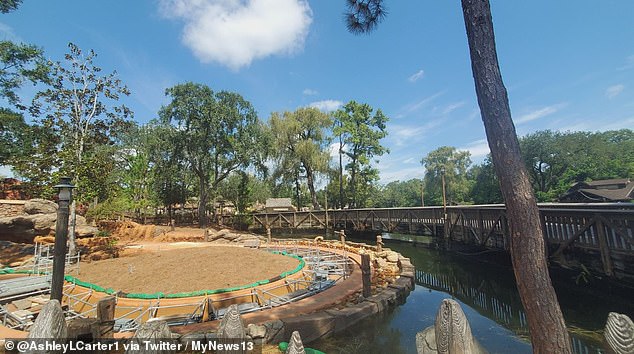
(571, 240)
(606, 259)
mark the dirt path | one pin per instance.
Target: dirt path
(185, 269)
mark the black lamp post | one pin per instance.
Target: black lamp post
(61, 234)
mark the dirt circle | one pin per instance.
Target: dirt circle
(186, 269)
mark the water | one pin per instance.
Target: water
(489, 298)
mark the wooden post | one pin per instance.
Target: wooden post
(268, 234)
(342, 235)
(206, 235)
(365, 274)
(172, 224)
(105, 314)
(606, 259)
(50, 322)
(379, 243)
(480, 227)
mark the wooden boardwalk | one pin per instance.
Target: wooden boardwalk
(600, 236)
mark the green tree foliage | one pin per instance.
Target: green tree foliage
(359, 132)
(485, 185)
(37, 157)
(556, 160)
(7, 6)
(20, 63)
(218, 133)
(301, 147)
(82, 106)
(453, 164)
(399, 194)
(244, 190)
(14, 135)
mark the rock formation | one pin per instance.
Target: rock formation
(450, 334)
(38, 219)
(619, 333)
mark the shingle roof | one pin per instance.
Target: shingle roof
(279, 203)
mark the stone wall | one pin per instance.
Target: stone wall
(11, 207)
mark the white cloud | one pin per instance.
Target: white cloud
(236, 32)
(407, 134)
(6, 33)
(417, 76)
(327, 105)
(310, 92)
(400, 174)
(452, 107)
(614, 91)
(413, 107)
(477, 148)
(540, 113)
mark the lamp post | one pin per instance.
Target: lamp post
(65, 196)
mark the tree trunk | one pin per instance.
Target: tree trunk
(545, 320)
(341, 203)
(202, 202)
(72, 242)
(311, 187)
(297, 189)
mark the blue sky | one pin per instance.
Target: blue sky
(566, 65)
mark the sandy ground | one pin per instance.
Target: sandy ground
(185, 269)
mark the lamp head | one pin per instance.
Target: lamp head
(65, 188)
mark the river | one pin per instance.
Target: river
(488, 296)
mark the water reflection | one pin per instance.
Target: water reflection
(490, 301)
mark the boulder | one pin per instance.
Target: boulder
(451, 333)
(17, 228)
(43, 223)
(256, 331)
(392, 257)
(619, 333)
(39, 206)
(85, 231)
(50, 323)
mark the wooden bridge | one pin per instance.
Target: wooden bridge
(599, 236)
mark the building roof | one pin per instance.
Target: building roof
(279, 203)
(610, 190)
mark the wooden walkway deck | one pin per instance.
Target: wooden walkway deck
(600, 236)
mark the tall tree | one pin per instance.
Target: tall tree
(452, 164)
(83, 104)
(360, 133)
(218, 132)
(485, 188)
(545, 320)
(300, 140)
(20, 63)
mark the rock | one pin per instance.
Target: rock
(231, 325)
(85, 231)
(17, 229)
(450, 334)
(274, 331)
(50, 323)
(382, 262)
(256, 331)
(619, 333)
(295, 345)
(43, 223)
(40, 206)
(392, 256)
(150, 332)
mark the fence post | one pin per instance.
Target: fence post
(365, 274)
